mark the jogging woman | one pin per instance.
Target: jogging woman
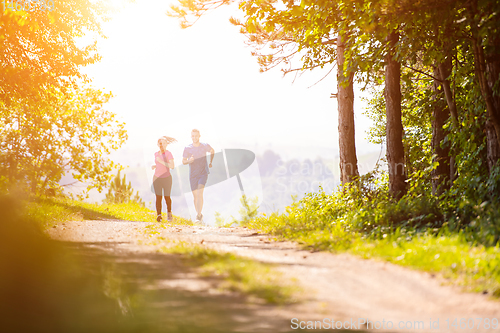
(162, 179)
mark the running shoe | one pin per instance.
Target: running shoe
(170, 217)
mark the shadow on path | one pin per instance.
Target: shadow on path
(161, 293)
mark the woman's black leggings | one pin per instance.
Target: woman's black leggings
(168, 201)
(162, 188)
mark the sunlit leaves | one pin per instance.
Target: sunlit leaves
(69, 134)
(39, 49)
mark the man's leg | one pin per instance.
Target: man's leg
(193, 181)
(199, 199)
(195, 199)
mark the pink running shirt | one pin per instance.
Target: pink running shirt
(162, 171)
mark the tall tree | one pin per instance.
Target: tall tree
(347, 139)
(441, 175)
(394, 126)
(484, 27)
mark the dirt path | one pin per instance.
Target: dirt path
(342, 288)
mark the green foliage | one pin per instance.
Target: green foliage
(48, 212)
(361, 219)
(41, 49)
(121, 192)
(51, 122)
(220, 221)
(248, 209)
(430, 32)
(70, 134)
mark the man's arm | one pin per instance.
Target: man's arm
(186, 159)
(212, 153)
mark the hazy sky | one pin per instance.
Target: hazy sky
(168, 80)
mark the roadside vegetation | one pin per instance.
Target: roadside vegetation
(457, 241)
(50, 211)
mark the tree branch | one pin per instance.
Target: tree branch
(421, 72)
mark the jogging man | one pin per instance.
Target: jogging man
(196, 156)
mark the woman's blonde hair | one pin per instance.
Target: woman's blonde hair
(168, 139)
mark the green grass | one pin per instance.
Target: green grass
(448, 254)
(475, 268)
(50, 211)
(239, 274)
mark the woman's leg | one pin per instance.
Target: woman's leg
(158, 193)
(168, 201)
(158, 204)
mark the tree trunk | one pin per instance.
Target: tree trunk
(440, 114)
(394, 126)
(493, 75)
(487, 70)
(345, 99)
(492, 146)
(444, 73)
(486, 89)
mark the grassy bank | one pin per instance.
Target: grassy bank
(406, 233)
(50, 211)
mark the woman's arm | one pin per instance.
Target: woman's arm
(161, 160)
(171, 164)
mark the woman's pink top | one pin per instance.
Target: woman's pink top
(162, 171)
